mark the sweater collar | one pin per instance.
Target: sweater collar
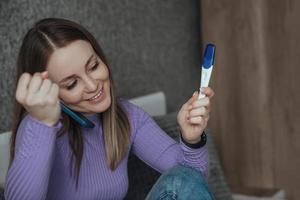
(94, 117)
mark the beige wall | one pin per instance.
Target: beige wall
(256, 109)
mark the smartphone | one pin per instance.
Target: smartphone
(78, 117)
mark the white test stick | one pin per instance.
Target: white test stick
(207, 66)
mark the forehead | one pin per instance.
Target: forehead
(68, 60)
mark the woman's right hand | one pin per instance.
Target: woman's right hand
(39, 96)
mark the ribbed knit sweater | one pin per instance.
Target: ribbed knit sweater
(41, 167)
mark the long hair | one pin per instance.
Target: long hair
(38, 44)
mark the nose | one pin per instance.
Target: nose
(91, 84)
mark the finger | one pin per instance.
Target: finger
(22, 87)
(196, 120)
(202, 111)
(45, 75)
(199, 103)
(206, 118)
(35, 83)
(207, 91)
(45, 88)
(54, 91)
(193, 98)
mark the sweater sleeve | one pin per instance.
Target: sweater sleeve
(29, 173)
(157, 149)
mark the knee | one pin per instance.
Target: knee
(185, 174)
(185, 183)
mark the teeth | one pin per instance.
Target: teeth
(97, 95)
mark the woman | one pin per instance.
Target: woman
(53, 158)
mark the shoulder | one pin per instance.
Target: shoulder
(136, 115)
(132, 110)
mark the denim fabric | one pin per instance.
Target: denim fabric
(180, 183)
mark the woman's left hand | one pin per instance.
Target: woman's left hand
(193, 116)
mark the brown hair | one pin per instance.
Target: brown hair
(38, 44)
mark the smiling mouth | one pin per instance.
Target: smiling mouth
(96, 96)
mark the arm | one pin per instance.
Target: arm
(28, 175)
(152, 145)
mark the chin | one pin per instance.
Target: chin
(101, 106)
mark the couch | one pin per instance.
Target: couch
(150, 46)
(141, 176)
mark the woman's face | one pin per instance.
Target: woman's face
(80, 75)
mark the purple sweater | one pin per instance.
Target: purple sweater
(41, 167)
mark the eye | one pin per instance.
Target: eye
(95, 66)
(72, 85)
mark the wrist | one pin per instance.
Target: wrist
(195, 144)
(192, 141)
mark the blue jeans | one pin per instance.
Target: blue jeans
(180, 183)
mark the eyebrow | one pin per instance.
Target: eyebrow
(73, 75)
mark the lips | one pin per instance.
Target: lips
(96, 95)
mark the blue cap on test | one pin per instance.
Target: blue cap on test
(209, 56)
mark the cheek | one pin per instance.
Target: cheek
(104, 73)
(71, 97)
(75, 96)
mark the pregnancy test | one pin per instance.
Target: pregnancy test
(207, 66)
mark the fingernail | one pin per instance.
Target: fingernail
(194, 93)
